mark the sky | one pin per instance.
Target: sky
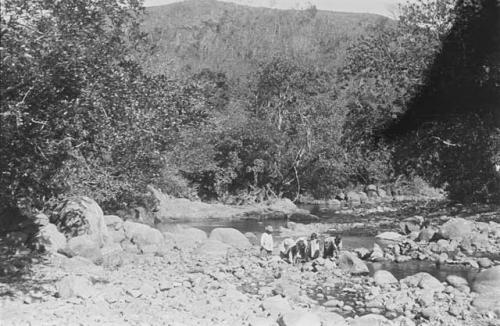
(382, 7)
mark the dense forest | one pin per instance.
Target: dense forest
(224, 102)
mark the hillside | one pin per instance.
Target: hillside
(192, 35)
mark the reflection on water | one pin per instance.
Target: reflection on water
(402, 270)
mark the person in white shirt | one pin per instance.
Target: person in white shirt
(266, 242)
(313, 247)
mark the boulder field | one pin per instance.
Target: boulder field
(129, 273)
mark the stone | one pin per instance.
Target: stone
(351, 263)
(423, 280)
(81, 215)
(377, 253)
(456, 229)
(142, 235)
(362, 252)
(50, 239)
(411, 224)
(353, 198)
(212, 249)
(113, 222)
(382, 277)
(484, 262)
(117, 235)
(231, 237)
(488, 281)
(331, 319)
(389, 236)
(297, 318)
(458, 282)
(370, 320)
(487, 285)
(84, 246)
(74, 286)
(276, 306)
(185, 239)
(427, 234)
(363, 197)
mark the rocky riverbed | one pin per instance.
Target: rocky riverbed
(108, 271)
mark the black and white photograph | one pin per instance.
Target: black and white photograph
(250, 162)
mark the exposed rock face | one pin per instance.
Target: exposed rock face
(487, 284)
(231, 237)
(81, 215)
(351, 263)
(50, 239)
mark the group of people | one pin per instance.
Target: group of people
(302, 249)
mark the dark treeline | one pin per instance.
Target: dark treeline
(95, 102)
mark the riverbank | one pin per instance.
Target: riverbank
(214, 283)
(124, 272)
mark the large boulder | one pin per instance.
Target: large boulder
(349, 262)
(231, 237)
(81, 215)
(142, 235)
(84, 246)
(487, 285)
(185, 238)
(382, 277)
(423, 280)
(456, 229)
(50, 239)
(212, 249)
(297, 318)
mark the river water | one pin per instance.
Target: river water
(363, 237)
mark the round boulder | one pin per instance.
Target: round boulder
(231, 237)
(382, 277)
(81, 215)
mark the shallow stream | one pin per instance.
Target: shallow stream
(359, 237)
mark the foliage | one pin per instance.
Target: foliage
(254, 104)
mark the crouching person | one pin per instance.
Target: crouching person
(266, 242)
(332, 247)
(287, 249)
